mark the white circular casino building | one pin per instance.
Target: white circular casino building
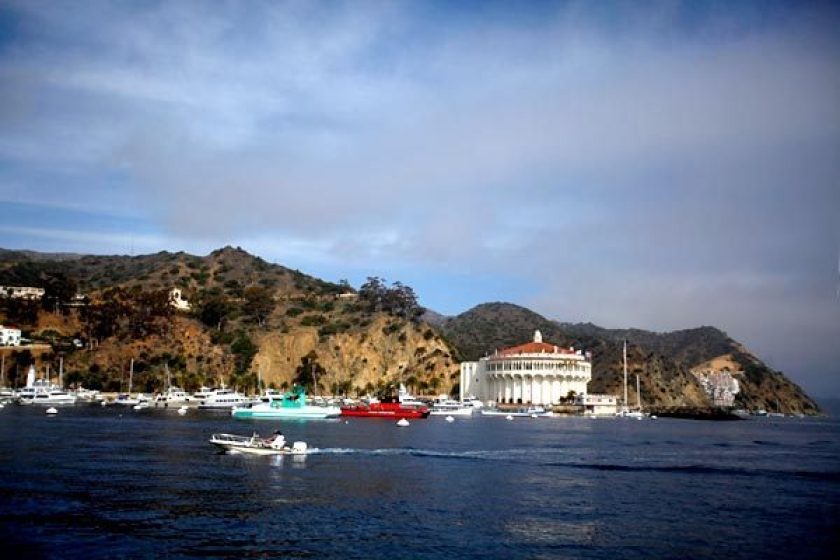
(532, 373)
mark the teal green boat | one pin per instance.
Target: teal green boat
(291, 404)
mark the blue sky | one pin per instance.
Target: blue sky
(661, 165)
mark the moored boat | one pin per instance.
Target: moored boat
(443, 406)
(43, 392)
(390, 410)
(531, 411)
(224, 399)
(291, 404)
(172, 396)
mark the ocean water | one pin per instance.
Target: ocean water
(97, 482)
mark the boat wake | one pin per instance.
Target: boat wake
(473, 455)
(539, 455)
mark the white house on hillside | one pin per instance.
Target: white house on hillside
(22, 292)
(9, 336)
(177, 300)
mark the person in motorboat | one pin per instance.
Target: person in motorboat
(279, 441)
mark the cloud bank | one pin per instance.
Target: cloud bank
(660, 166)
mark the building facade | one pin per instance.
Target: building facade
(9, 336)
(21, 292)
(533, 373)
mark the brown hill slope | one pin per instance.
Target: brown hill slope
(248, 317)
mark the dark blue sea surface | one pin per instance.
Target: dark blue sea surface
(98, 482)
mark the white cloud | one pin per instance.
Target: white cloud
(661, 169)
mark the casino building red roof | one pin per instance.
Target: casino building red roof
(534, 348)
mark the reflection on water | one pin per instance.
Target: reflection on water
(536, 530)
(96, 483)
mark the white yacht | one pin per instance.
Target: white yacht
(7, 395)
(127, 399)
(530, 411)
(473, 402)
(42, 391)
(407, 399)
(224, 398)
(172, 396)
(202, 393)
(444, 406)
(88, 395)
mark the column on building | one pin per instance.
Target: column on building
(545, 389)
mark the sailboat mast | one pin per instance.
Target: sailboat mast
(638, 393)
(61, 371)
(625, 375)
(130, 375)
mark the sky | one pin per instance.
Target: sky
(660, 165)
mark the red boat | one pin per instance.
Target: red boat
(385, 410)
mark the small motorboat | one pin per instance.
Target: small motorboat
(256, 445)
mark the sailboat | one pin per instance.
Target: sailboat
(625, 410)
(172, 395)
(125, 398)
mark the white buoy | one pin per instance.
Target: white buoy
(508, 417)
(450, 419)
(402, 422)
(104, 403)
(52, 410)
(654, 416)
(182, 410)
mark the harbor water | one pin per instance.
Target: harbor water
(108, 482)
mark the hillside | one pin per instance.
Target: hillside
(663, 361)
(248, 318)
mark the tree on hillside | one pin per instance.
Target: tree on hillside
(105, 317)
(20, 311)
(213, 309)
(372, 293)
(399, 300)
(309, 372)
(243, 350)
(58, 288)
(258, 304)
(151, 313)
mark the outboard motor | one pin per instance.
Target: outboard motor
(299, 447)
